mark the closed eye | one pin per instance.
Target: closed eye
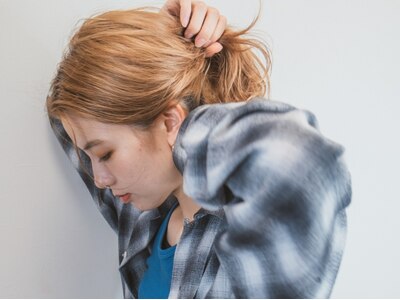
(105, 157)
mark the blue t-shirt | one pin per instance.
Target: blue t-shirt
(156, 281)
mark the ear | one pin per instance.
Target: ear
(172, 120)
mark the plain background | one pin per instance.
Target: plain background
(338, 59)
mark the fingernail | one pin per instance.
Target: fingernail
(214, 51)
(188, 35)
(200, 42)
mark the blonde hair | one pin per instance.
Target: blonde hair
(127, 67)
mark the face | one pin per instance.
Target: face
(128, 160)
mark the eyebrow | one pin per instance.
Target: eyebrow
(91, 144)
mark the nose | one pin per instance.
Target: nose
(102, 177)
(102, 183)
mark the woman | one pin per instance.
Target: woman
(214, 191)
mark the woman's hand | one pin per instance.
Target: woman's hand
(202, 22)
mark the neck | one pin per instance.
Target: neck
(187, 204)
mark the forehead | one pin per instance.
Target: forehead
(81, 130)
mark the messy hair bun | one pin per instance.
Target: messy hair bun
(127, 67)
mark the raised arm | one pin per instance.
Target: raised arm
(284, 188)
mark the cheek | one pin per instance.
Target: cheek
(142, 166)
(125, 165)
(145, 166)
(165, 171)
(155, 169)
(131, 166)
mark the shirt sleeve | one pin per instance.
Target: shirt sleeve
(284, 188)
(103, 199)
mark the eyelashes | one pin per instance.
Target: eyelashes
(105, 157)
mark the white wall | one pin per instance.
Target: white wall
(339, 59)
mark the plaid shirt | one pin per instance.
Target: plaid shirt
(273, 192)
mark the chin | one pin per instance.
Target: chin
(144, 203)
(143, 206)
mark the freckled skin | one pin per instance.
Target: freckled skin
(141, 161)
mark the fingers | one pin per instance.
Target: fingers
(213, 49)
(199, 11)
(186, 9)
(219, 30)
(201, 21)
(181, 8)
(208, 28)
(171, 7)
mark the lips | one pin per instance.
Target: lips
(125, 197)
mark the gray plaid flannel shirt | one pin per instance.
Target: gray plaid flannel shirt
(273, 192)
